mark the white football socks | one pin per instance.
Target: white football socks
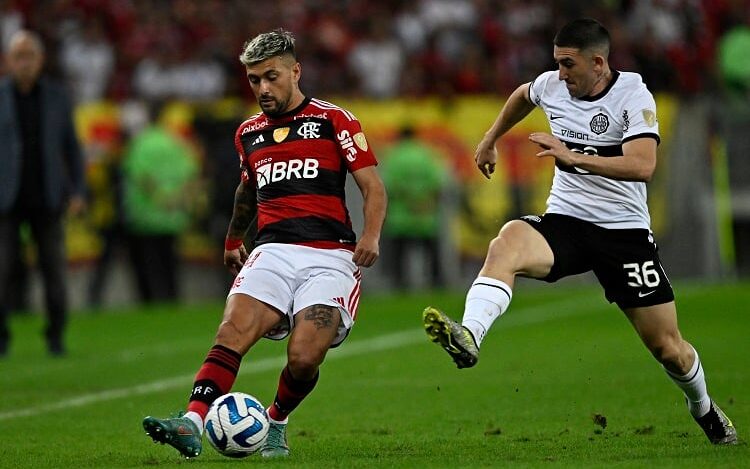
(693, 385)
(486, 301)
(196, 418)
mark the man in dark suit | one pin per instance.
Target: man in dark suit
(41, 177)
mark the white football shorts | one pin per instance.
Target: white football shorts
(291, 277)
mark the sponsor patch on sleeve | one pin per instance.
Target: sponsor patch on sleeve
(360, 140)
(649, 117)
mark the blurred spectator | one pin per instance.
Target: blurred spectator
(105, 212)
(166, 74)
(11, 21)
(377, 61)
(155, 77)
(166, 49)
(650, 60)
(410, 27)
(453, 23)
(18, 300)
(734, 116)
(734, 67)
(42, 176)
(471, 74)
(415, 177)
(660, 18)
(87, 60)
(200, 78)
(221, 171)
(158, 170)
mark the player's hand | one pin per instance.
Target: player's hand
(552, 146)
(235, 259)
(486, 157)
(366, 252)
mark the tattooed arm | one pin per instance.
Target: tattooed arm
(243, 216)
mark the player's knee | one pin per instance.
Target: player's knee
(238, 331)
(502, 250)
(303, 364)
(667, 351)
(229, 334)
(499, 249)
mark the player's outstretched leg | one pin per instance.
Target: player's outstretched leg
(276, 445)
(178, 432)
(717, 426)
(452, 336)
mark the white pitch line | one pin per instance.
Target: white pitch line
(525, 316)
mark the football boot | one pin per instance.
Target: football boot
(717, 426)
(276, 445)
(179, 432)
(452, 336)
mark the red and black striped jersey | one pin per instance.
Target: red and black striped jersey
(298, 162)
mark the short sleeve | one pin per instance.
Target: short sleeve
(245, 176)
(538, 87)
(639, 116)
(352, 143)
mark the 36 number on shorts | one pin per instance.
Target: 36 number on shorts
(642, 274)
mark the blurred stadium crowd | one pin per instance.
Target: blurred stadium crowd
(118, 56)
(187, 49)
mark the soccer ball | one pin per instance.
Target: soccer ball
(237, 425)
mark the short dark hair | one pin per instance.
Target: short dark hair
(584, 33)
(266, 45)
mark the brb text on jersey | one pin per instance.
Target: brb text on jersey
(298, 163)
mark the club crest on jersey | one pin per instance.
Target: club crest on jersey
(309, 130)
(599, 124)
(279, 135)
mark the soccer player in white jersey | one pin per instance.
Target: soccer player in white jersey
(604, 135)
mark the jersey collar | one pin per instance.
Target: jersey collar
(290, 113)
(615, 75)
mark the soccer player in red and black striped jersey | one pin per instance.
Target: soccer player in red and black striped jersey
(302, 278)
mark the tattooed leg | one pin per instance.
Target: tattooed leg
(314, 330)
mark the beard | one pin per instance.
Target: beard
(273, 107)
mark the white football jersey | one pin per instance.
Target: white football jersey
(598, 125)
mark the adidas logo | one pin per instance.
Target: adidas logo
(258, 140)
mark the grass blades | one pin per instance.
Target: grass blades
(563, 381)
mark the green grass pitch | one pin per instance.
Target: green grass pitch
(560, 362)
